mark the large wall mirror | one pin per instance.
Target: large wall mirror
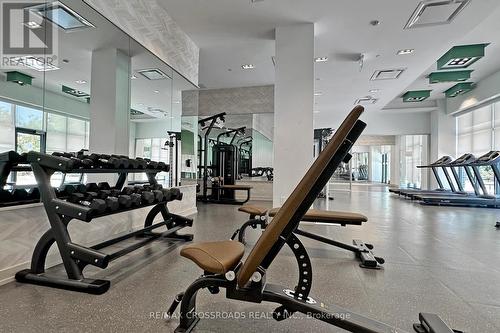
(46, 107)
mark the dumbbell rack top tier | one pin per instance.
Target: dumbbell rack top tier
(76, 257)
(66, 165)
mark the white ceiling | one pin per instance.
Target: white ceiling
(77, 47)
(235, 32)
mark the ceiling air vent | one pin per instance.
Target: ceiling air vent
(367, 100)
(387, 74)
(435, 12)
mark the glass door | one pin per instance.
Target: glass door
(28, 140)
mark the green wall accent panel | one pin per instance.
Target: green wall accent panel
(461, 56)
(459, 89)
(416, 96)
(187, 139)
(450, 76)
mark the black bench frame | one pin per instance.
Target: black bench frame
(297, 299)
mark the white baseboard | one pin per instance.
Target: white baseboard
(8, 274)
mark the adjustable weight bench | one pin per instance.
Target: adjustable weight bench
(246, 281)
(259, 218)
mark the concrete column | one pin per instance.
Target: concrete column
(443, 137)
(110, 102)
(293, 107)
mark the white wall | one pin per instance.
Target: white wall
(380, 123)
(153, 129)
(31, 96)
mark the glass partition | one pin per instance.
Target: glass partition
(47, 106)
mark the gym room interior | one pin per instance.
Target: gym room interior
(250, 165)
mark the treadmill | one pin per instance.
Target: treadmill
(442, 163)
(465, 161)
(484, 200)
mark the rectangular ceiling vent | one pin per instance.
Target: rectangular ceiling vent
(367, 100)
(435, 12)
(387, 74)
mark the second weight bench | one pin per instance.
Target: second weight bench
(259, 217)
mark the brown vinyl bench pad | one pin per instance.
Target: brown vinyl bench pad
(312, 215)
(215, 257)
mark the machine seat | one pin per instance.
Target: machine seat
(253, 210)
(215, 257)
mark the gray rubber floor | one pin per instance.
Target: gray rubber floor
(440, 260)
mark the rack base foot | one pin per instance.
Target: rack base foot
(89, 286)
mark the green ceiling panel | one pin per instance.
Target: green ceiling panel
(74, 92)
(450, 76)
(416, 96)
(461, 56)
(19, 78)
(459, 89)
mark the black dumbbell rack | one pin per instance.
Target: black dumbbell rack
(76, 257)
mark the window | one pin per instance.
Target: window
(478, 132)
(56, 133)
(7, 128)
(76, 134)
(412, 155)
(154, 150)
(29, 118)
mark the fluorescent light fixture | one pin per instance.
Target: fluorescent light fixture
(319, 93)
(153, 74)
(80, 81)
(321, 59)
(387, 74)
(61, 15)
(248, 66)
(405, 51)
(365, 100)
(35, 63)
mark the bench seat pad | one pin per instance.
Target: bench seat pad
(215, 257)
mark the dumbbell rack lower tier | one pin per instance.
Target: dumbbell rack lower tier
(76, 257)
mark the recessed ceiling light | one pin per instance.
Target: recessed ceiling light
(32, 62)
(33, 25)
(141, 104)
(61, 15)
(248, 66)
(80, 81)
(156, 91)
(319, 93)
(387, 74)
(176, 102)
(435, 12)
(374, 91)
(153, 74)
(405, 51)
(321, 59)
(133, 77)
(316, 111)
